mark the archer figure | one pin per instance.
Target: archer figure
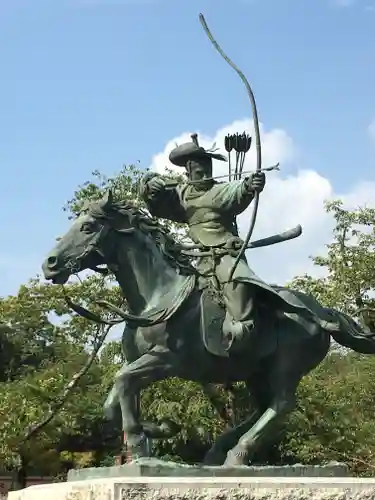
(210, 208)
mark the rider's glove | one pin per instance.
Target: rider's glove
(256, 182)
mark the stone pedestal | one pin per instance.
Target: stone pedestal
(154, 479)
(153, 467)
(203, 488)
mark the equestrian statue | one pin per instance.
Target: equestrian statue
(198, 311)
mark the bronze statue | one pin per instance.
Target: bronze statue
(267, 336)
(209, 209)
(171, 317)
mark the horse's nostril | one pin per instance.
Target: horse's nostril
(52, 261)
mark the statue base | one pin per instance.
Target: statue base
(195, 488)
(153, 467)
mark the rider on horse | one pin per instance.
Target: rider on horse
(210, 208)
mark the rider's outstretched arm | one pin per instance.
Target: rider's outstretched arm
(165, 203)
(234, 197)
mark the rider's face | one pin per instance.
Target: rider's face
(200, 170)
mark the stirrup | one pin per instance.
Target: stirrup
(236, 332)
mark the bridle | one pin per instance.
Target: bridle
(75, 265)
(95, 245)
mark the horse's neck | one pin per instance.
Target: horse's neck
(143, 273)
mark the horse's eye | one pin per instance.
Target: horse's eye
(88, 227)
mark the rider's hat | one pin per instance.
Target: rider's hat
(190, 151)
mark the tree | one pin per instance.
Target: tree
(43, 364)
(349, 281)
(124, 186)
(334, 420)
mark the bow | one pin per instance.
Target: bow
(257, 140)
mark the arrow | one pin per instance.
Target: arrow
(169, 184)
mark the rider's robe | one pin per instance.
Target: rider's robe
(210, 215)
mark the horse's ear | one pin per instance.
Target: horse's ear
(107, 200)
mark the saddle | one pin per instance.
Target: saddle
(216, 325)
(218, 330)
(211, 321)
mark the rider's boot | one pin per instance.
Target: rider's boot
(240, 324)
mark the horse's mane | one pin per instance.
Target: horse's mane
(140, 219)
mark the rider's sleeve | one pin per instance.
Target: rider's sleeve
(165, 204)
(234, 197)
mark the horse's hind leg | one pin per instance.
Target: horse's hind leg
(157, 364)
(282, 403)
(260, 399)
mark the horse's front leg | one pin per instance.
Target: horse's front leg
(157, 364)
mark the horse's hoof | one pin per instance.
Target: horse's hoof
(136, 446)
(236, 458)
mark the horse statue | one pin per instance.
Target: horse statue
(170, 316)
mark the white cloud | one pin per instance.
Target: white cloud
(292, 196)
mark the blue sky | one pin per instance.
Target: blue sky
(93, 84)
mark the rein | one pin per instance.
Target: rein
(89, 315)
(233, 246)
(138, 321)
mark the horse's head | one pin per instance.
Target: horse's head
(83, 245)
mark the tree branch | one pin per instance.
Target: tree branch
(70, 386)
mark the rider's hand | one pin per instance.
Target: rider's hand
(256, 182)
(155, 185)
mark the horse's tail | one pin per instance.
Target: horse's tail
(352, 335)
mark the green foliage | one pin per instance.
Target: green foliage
(349, 280)
(334, 420)
(199, 421)
(40, 358)
(124, 186)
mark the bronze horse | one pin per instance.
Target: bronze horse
(170, 311)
